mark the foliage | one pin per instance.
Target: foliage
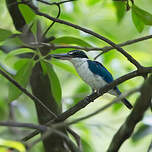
(114, 20)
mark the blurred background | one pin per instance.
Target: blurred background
(102, 17)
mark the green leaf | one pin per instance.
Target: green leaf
(27, 12)
(142, 131)
(81, 92)
(54, 81)
(66, 67)
(93, 2)
(22, 77)
(86, 146)
(71, 40)
(137, 21)
(120, 9)
(12, 144)
(145, 16)
(4, 34)
(17, 52)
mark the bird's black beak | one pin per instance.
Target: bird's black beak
(62, 56)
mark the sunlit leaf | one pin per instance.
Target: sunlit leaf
(54, 81)
(93, 2)
(66, 67)
(65, 40)
(145, 16)
(27, 12)
(22, 77)
(120, 9)
(142, 131)
(86, 146)
(12, 43)
(17, 52)
(4, 34)
(137, 21)
(12, 144)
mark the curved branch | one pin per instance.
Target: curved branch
(128, 56)
(141, 105)
(23, 125)
(83, 103)
(34, 98)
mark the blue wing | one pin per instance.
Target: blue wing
(98, 69)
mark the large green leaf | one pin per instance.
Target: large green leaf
(54, 81)
(13, 42)
(4, 34)
(145, 16)
(120, 9)
(137, 21)
(22, 77)
(71, 40)
(27, 12)
(17, 52)
(12, 144)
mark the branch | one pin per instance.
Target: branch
(23, 125)
(129, 42)
(141, 105)
(128, 56)
(83, 103)
(123, 95)
(34, 98)
(68, 141)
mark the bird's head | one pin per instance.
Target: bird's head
(71, 55)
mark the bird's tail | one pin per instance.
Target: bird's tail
(127, 103)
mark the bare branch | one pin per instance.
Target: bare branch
(34, 98)
(23, 125)
(76, 137)
(69, 143)
(55, 3)
(83, 103)
(128, 56)
(129, 42)
(123, 95)
(127, 128)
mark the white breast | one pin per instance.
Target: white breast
(95, 81)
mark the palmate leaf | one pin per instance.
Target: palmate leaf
(54, 81)
(11, 144)
(22, 77)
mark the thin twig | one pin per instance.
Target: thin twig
(23, 125)
(128, 56)
(83, 103)
(123, 95)
(76, 137)
(59, 12)
(129, 42)
(127, 128)
(55, 3)
(34, 98)
(51, 130)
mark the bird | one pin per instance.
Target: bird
(91, 72)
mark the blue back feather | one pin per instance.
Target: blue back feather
(98, 69)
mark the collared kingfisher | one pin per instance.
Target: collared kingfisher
(92, 72)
